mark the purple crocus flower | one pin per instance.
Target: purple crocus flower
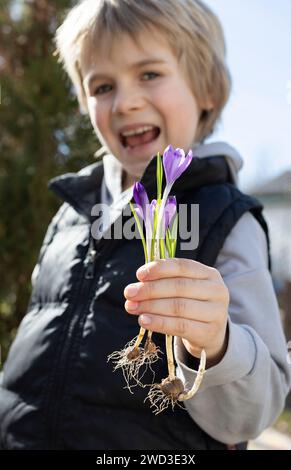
(175, 163)
(170, 210)
(141, 199)
(145, 211)
(152, 209)
(139, 212)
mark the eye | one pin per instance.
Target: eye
(150, 75)
(100, 90)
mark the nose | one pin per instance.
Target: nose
(127, 99)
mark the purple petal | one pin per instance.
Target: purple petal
(141, 197)
(184, 163)
(170, 210)
(139, 212)
(152, 208)
(175, 163)
(168, 158)
(179, 153)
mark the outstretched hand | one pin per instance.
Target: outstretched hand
(185, 298)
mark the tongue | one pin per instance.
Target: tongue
(140, 139)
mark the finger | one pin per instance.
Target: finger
(173, 287)
(194, 332)
(175, 307)
(180, 267)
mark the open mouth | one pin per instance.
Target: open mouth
(141, 136)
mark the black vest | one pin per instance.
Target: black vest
(58, 391)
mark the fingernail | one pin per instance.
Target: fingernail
(142, 272)
(145, 319)
(131, 290)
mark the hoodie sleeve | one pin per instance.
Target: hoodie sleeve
(244, 393)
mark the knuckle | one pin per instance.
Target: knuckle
(153, 267)
(217, 314)
(223, 294)
(216, 290)
(226, 297)
(180, 286)
(213, 274)
(196, 286)
(217, 275)
(144, 306)
(179, 306)
(219, 290)
(181, 328)
(161, 324)
(175, 306)
(150, 289)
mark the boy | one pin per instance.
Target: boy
(149, 73)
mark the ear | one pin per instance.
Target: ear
(207, 104)
(208, 107)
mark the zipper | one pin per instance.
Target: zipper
(69, 330)
(89, 261)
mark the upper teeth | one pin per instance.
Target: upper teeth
(139, 130)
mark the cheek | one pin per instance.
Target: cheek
(175, 100)
(97, 115)
(165, 101)
(181, 116)
(189, 116)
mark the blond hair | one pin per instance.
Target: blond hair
(193, 32)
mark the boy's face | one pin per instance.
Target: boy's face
(138, 109)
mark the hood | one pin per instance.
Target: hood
(216, 163)
(112, 183)
(233, 158)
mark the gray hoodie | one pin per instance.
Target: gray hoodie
(245, 392)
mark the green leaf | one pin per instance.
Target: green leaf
(169, 242)
(162, 249)
(159, 177)
(171, 237)
(174, 235)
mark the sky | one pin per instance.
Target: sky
(257, 119)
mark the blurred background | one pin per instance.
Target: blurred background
(42, 134)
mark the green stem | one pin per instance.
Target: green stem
(161, 208)
(140, 231)
(197, 382)
(162, 249)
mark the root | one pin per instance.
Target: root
(165, 394)
(130, 360)
(171, 391)
(160, 399)
(150, 356)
